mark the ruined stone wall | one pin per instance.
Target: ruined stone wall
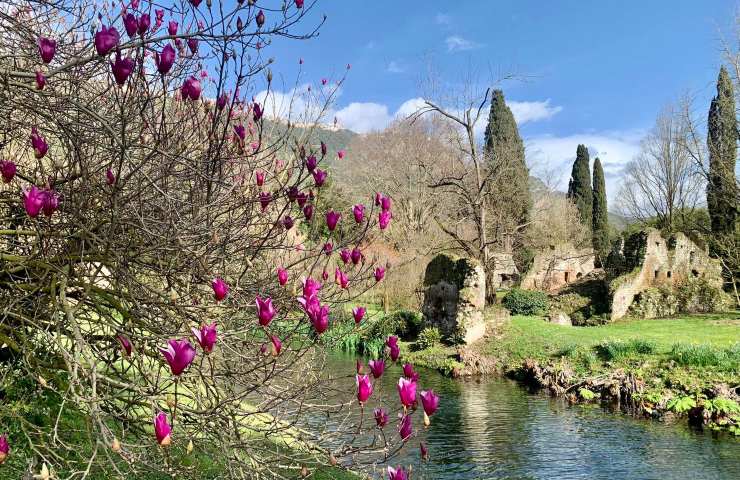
(647, 259)
(555, 268)
(505, 274)
(454, 298)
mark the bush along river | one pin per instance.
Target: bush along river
(492, 428)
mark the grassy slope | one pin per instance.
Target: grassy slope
(533, 337)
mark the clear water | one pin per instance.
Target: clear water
(494, 429)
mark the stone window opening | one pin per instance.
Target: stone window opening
(692, 256)
(695, 272)
(579, 275)
(657, 272)
(567, 277)
(668, 274)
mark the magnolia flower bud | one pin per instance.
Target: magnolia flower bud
(332, 460)
(116, 445)
(43, 474)
(189, 448)
(426, 420)
(42, 381)
(304, 471)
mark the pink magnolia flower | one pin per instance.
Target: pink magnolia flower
(379, 273)
(179, 355)
(332, 219)
(162, 429)
(319, 317)
(324, 149)
(358, 313)
(265, 310)
(277, 345)
(301, 198)
(110, 177)
(40, 147)
(40, 80)
(4, 448)
(404, 427)
(359, 212)
(381, 418)
(407, 391)
(299, 3)
(384, 219)
(324, 81)
(165, 59)
(191, 88)
(311, 163)
(47, 49)
(397, 474)
(125, 344)
(7, 170)
(311, 287)
(50, 202)
(341, 278)
(378, 198)
(292, 193)
(319, 177)
(385, 203)
(377, 367)
(256, 112)
(193, 45)
(356, 256)
(143, 25)
(394, 350)
(220, 288)
(408, 370)
(328, 248)
(106, 39)
(221, 101)
(122, 68)
(308, 212)
(345, 256)
(282, 275)
(364, 388)
(172, 28)
(341, 154)
(195, 3)
(260, 177)
(33, 201)
(260, 18)
(430, 402)
(287, 222)
(325, 275)
(206, 336)
(265, 199)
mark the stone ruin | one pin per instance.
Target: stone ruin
(505, 273)
(555, 268)
(454, 298)
(647, 260)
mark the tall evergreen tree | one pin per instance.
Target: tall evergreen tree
(579, 187)
(722, 195)
(600, 224)
(507, 167)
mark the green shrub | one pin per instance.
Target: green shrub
(617, 349)
(428, 338)
(681, 404)
(526, 302)
(699, 296)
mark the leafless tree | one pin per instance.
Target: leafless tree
(662, 181)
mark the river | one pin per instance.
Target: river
(495, 429)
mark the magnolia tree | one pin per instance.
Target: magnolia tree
(158, 298)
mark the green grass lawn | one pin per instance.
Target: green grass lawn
(536, 338)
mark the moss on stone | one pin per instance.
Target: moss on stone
(450, 268)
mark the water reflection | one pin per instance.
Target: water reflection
(496, 430)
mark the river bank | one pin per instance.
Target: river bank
(686, 368)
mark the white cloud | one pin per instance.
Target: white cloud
(552, 156)
(533, 111)
(363, 117)
(443, 19)
(456, 43)
(395, 67)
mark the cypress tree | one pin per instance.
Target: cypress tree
(722, 143)
(600, 223)
(579, 187)
(504, 151)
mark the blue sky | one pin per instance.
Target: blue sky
(596, 72)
